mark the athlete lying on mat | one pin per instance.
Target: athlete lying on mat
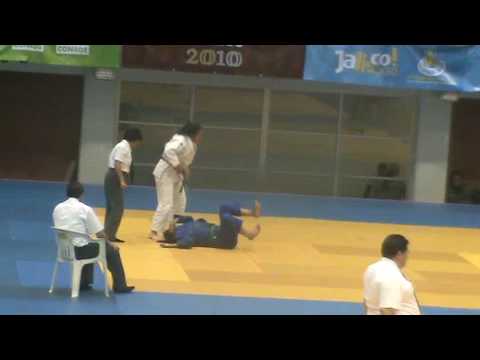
(199, 233)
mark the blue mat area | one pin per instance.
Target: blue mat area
(27, 249)
(19, 197)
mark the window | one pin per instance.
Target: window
(155, 103)
(229, 156)
(158, 110)
(278, 141)
(302, 143)
(376, 146)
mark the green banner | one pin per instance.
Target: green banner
(72, 55)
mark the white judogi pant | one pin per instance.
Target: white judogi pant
(172, 199)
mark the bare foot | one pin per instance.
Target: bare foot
(254, 233)
(257, 212)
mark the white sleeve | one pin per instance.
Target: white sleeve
(172, 149)
(93, 224)
(366, 278)
(390, 293)
(55, 216)
(122, 155)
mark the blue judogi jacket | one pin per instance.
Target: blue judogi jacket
(194, 233)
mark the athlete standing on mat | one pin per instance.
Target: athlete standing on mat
(116, 181)
(199, 233)
(170, 175)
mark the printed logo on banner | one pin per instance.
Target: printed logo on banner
(431, 66)
(35, 48)
(384, 64)
(82, 50)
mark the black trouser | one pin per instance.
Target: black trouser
(114, 263)
(114, 199)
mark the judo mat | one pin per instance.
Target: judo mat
(309, 259)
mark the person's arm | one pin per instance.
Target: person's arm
(390, 296)
(122, 156)
(118, 170)
(94, 226)
(170, 154)
(185, 243)
(101, 236)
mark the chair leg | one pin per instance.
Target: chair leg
(76, 277)
(54, 277)
(105, 273)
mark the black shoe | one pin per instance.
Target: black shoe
(118, 241)
(86, 288)
(125, 290)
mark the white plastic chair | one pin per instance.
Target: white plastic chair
(66, 253)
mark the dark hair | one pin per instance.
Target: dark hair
(133, 134)
(382, 169)
(455, 173)
(393, 170)
(394, 244)
(190, 129)
(75, 190)
(170, 237)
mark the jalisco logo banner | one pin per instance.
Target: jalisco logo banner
(428, 67)
(74, 55)
(285, 61)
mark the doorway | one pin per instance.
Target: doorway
(464, 168)
(40, 125)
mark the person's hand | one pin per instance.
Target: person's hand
(114, 246)
(123, 185)
(181, 171)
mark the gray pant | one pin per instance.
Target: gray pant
(114, 198)
(114, 263)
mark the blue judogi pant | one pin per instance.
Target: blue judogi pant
(230, 225)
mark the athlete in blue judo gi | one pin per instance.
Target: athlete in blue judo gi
(188, 233)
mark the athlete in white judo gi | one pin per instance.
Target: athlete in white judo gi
(170, 175)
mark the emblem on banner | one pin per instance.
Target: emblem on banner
(431, 66)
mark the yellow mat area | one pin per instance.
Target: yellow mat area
(305, 259)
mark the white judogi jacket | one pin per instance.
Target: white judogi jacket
(179, 150)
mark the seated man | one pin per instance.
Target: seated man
(457, 189)
(199, 233)
(384, 188)
(75, 216)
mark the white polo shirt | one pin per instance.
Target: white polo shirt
(386, 287)
(75, 216)
(121, 152)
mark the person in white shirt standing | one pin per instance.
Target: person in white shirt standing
(75, 216)
(117, 179)
(387, 291)
(170, 174)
